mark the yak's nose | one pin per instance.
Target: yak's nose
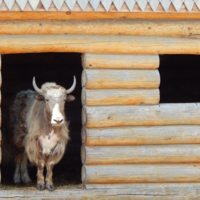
(58, 120)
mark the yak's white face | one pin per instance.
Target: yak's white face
(57, 117)
(55, 100)
(55, 97)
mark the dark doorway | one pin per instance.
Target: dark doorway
(17, 73)
(180, 78)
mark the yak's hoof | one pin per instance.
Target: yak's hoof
(17, 182)
(50, 187)
(40, 186)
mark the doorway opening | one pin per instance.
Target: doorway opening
(17, 74)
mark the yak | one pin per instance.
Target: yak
(39, 131)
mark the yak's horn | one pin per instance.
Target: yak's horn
(36, 87)
(72, 87)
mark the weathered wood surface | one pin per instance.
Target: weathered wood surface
(10, 15)
(142, 154)
(141, 115)
(110, 26)
(153, 188)
(98, 44)
(137, 173)
(140, 191)
(120, 136)
(116, 79)
(119, 96)
(117, 61)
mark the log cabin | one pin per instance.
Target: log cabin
(135, 126)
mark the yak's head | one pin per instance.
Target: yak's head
(54, 97)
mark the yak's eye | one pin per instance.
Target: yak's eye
(47, 100)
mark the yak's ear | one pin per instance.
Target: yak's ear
(39, 97)
(70, 98)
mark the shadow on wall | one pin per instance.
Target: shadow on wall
(17, 73)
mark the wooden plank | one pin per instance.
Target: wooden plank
(140, 173)
(98, 44)
(100, 97)
(106, 61)
(40, 15)
(140, 135)
(164, 191)
(116, 79)
(109, 27)
(141, 115)
(142, 154)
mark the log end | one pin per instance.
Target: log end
(83, 78)
(83, 135)
(84, 116)
(83, 96)
(83, 60)
(83, 174)
(83, 154)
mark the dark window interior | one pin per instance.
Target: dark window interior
(17, 73)
(180, 78)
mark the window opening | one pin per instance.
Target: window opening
(180, 78)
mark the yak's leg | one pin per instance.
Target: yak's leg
(40, 176)
(17, 178)
(24, 171)
(48, 179)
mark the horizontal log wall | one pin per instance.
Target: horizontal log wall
(142, 154)
(140, 115)
(10, 15)
(140, 135)
(94, 97)
(107, 79)
(107, 61)
(108, 27)
(99, 44)
(128, 143)
(151, 173)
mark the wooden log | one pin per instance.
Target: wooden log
(139, 191)
(142, 154)
(108, 27)
(116, 79)
(119, 96)
(98, 44)
(41, 15)
(117, 61)
(117, 136)
(150, 188)
(141, 115)
(151, 173)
